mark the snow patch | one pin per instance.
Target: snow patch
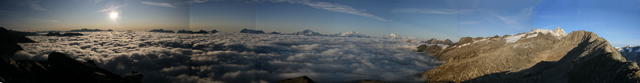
(512, 39)
(558, 33)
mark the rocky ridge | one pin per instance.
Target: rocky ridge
(536, 56)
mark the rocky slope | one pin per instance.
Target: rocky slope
(536, 56)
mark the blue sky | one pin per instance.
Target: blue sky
(615, 20)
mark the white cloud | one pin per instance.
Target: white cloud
(111, 8)
(342, 8)
(518, 19)
(470, 22)
(334, 7)
(159, 4)
(306, 47)
(35, 5)
(432, 11)
(200, 1)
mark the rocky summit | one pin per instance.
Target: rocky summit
(539, 56)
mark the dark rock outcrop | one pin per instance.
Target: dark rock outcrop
(201, 32)
(88, 30)
(435, 41)
(537, 58)
(308, 32)
(252, 31)
(9, 40)
(161, 31)
(431, 49)
(302, 79)
(67, 34)
(464, 40)
(83, 72)
(192, 32)
(213, 31)
(184, 31)
(434, 46)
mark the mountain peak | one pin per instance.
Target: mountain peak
(558, 32)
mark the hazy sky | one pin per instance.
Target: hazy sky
(616, 20)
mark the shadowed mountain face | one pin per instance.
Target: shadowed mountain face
(537, 56)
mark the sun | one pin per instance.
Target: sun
(113, 15)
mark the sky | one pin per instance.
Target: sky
(615, 20)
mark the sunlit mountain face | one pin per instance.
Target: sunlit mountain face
(322, 41)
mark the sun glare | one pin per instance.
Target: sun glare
(113, 15)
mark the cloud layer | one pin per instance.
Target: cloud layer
(240, 58)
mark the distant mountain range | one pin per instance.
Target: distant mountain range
(308, 32)
(539, 56)
(632, 53)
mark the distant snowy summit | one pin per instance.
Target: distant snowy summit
(558, 33)
(632, 53)
(308, 32)
(629, 49)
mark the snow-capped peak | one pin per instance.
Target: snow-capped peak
(559, 32)
(634, 49)
(393, 35)
(348, 33)
(351, 34)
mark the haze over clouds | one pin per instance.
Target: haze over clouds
(237, 57)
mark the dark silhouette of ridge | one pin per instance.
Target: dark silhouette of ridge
(59, 67)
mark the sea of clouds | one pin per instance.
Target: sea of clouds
(239, 57)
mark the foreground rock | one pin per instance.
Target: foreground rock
(537, 56)
(59, 68)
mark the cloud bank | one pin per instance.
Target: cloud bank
(240, 58)
(159, 4)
